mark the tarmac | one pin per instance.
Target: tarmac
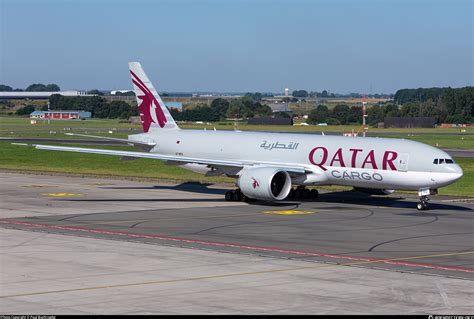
(72, 245)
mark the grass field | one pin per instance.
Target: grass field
(21, 127)
(13, 157)
(8, 124)
(26, 159)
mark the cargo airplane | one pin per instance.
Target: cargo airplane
(267, 165)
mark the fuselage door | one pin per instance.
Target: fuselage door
(403, 162)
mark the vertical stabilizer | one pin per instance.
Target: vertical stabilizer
(154, 114)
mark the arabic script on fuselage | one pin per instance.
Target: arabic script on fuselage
(278, 145)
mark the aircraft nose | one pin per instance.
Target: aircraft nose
(456, 172)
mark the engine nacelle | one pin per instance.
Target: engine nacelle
(265, 183)
(374, 191)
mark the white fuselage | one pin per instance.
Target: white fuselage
(381, 163)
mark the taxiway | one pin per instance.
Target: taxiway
(86, 245)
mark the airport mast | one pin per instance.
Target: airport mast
(49, 112)
(364, 116)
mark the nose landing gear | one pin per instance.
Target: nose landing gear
(423, 203)
(424, 198)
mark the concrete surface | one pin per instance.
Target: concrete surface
(40, 195)
(55, 274)
(91, 246)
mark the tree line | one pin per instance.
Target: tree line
(447, 105)
(340, 114)
(326, 94)
(98, 106)
(220, 109)
(35, 87)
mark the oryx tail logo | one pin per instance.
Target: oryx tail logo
(255, 184)
(150, 110)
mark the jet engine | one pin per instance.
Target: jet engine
(265, 183)
(374, 191)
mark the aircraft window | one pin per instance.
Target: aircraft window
(437, 161)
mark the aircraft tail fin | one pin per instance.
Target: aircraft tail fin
(154, 114)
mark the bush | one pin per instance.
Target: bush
(27, 110)
(333, 121)
(318, 115)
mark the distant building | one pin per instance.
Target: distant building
(61, 115)
(39, 95)
(270, 121)
(279, 107)
(350, 134)
(409, 122)
(120, 91)
(448, 125)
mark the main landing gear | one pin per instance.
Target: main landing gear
(302, 192)
(237, 196)
(234, 196)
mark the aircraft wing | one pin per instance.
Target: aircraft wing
(298, 169)
(143, 145)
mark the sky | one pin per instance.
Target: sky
(343, 46)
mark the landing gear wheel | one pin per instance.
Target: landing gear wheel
(291, 194)
(229, 196)
(424, 198)
(423, 203)
(298, 193)
(237, 196)
(306, 193)
(302, 192)
(422, 206)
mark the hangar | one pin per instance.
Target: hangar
(39, 95)
(65, 115)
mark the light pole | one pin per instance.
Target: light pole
(49, 113)
(364, 116)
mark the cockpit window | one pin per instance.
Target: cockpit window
(437, 161)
